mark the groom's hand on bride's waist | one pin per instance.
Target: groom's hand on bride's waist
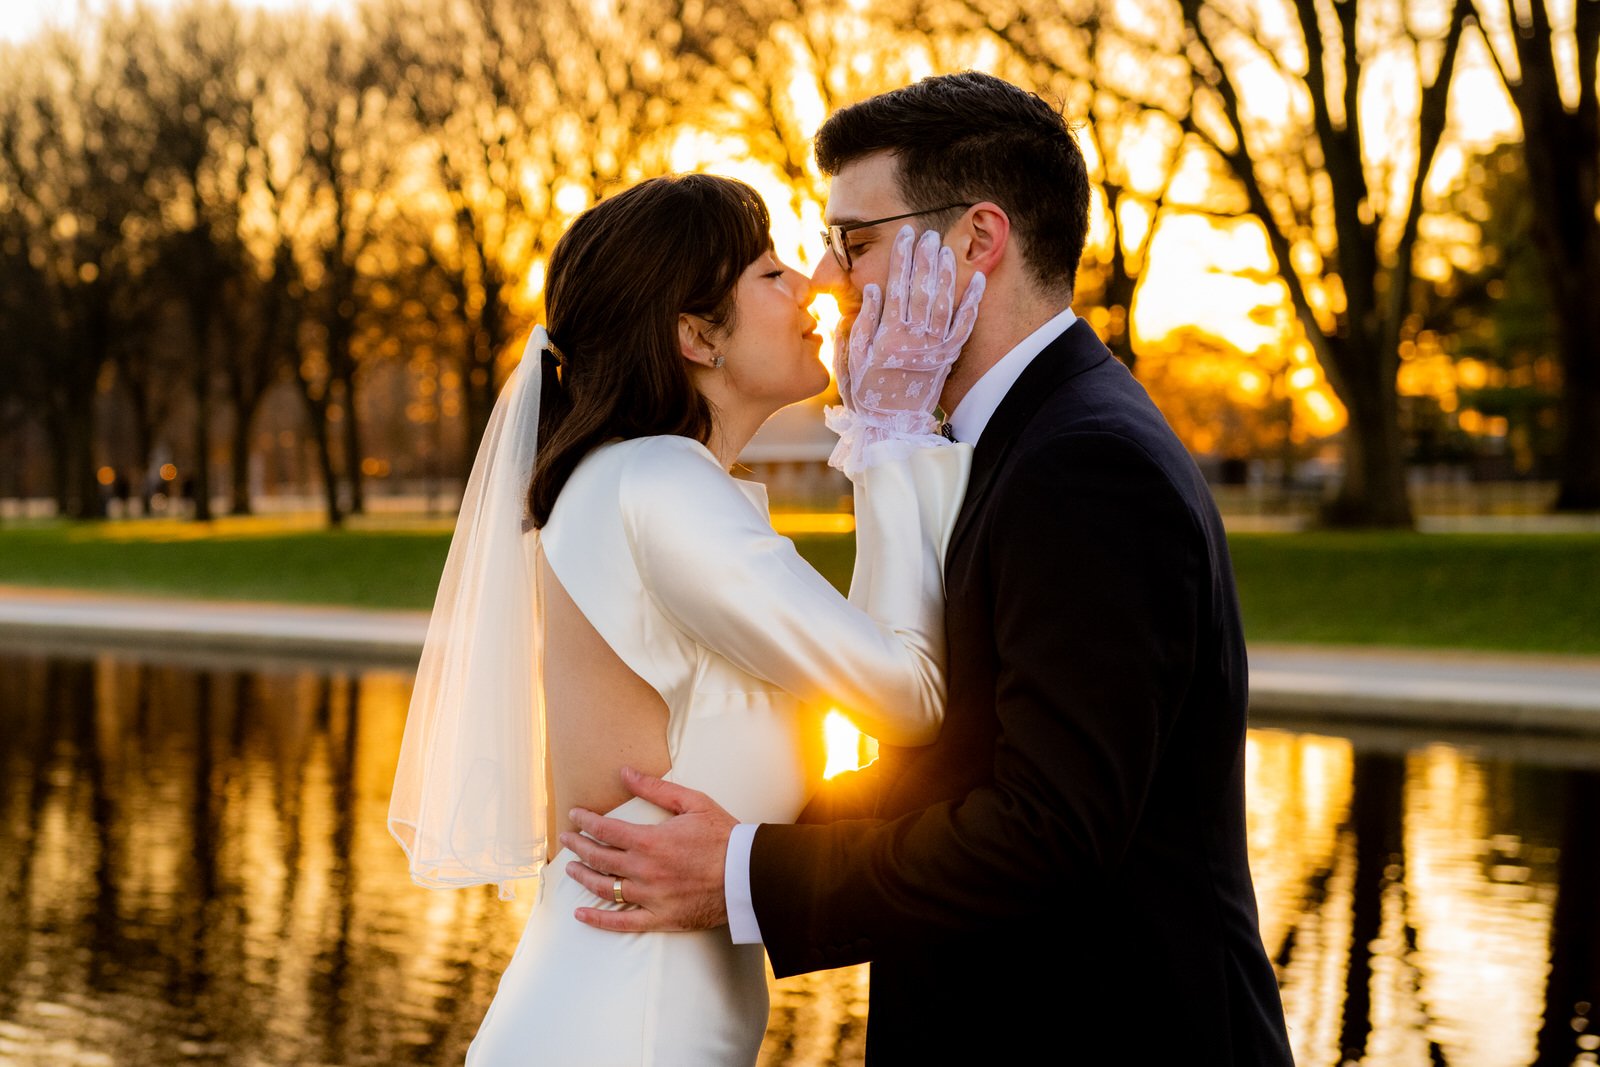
(672, 872)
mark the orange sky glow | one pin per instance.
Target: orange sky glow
(1204, 274)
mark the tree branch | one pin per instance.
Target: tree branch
(1433, 112)
(1586, 28)
(1243, 167)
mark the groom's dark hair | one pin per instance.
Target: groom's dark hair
(968, 137)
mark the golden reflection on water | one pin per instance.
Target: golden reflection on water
(1298, 792)
(1482, 898)
(196, 869)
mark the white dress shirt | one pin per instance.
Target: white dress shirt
(967, 423)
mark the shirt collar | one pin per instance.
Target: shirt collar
(970, 417)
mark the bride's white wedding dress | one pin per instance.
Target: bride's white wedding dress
(677, 567)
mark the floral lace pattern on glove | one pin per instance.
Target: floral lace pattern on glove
(900, 350)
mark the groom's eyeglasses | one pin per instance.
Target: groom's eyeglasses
(834, 236)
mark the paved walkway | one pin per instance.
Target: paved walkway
(1457, 689)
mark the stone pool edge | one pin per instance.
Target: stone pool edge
(1484, 691)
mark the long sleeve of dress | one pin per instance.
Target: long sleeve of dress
(714, 565)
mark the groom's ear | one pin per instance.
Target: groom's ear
(980, 239)
(694, 339)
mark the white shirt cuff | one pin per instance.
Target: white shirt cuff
(742, 924)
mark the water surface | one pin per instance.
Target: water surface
(194, 869)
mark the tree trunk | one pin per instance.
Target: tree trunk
(1561, 145)
(342, 370)
(1579, 331)
(144, 434)
(1119, 304)
(81, 497)
(477, 389)
(239, 456)
(330, 479)
(60, 464)
(1119, 287)
(200, 315)
(475, 406)
(479, 383)
(352, 446)
(251, 358)
(1373, 493)
(495, 325)
(91, 341)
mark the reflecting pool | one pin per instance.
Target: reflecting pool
(194, 868)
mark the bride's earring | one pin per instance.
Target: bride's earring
(717, 362)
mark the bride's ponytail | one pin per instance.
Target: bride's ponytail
(554, 402)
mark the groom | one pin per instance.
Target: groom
(1064, 869)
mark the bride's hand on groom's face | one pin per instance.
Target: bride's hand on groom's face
(907, 334)
(672, 871)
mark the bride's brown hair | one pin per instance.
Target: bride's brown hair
(619, 278)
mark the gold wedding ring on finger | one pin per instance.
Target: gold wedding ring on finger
(616, 891)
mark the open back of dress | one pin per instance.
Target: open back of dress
(599, 715)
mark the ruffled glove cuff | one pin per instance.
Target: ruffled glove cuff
(867, 441)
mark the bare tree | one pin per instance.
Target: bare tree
(1551, 67)
(1338, 195)
(200, 98)
(151, 374)
(772, 70)
(76, 148)
(258, 335)
(524, 125)
(1135, 204)
(1279, 103)
(324, 147)
(33, 330)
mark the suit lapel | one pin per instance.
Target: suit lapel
(1069, 355)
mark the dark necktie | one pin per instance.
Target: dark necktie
(946, 430)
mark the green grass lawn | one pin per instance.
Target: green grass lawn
(1535, 592)
(1527, 592)
(265, 560)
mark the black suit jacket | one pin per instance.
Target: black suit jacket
(1065, 868)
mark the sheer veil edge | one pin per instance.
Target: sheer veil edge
(469, 801)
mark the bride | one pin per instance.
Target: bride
(613, 597)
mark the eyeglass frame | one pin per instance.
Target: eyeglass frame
(833, 236)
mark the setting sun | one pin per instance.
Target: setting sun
(848, 749)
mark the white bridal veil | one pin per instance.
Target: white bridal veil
(469, 793)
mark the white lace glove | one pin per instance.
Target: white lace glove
(899, 353)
